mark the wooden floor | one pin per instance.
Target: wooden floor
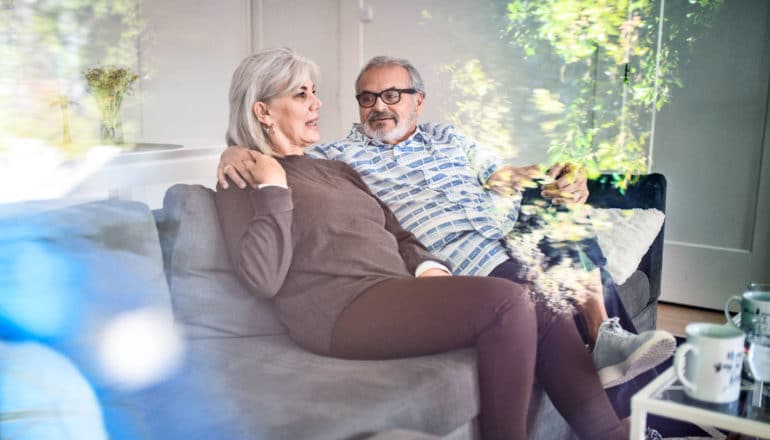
(673, 318)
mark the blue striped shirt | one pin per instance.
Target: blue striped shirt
(432, 182)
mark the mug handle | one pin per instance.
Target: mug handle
(729, 302)
(679, 364)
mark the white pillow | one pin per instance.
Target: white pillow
(624, 235)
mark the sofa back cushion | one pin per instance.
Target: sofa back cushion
(206, 295)
(77, 264)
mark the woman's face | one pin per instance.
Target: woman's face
(295, 120)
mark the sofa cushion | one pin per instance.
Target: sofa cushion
(78, 264)
(207, 296)
(267, 385)
(635, 296)
(75, 275)
(624, 236)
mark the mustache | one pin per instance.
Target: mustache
(379, 115)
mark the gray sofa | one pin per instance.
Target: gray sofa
(272, 387)
(244, 378)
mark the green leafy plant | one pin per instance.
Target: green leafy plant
(612, 42)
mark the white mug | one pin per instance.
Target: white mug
(755, 309)
(709, 364)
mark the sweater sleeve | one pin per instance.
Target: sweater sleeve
(257, 228)
(412, 251)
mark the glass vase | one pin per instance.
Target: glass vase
(110, 123)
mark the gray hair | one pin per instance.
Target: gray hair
(262, 76)
(415, 80)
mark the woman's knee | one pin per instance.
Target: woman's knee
(509, 302)
(509, 292)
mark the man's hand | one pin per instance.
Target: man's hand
(233, 163)
(508, 179)
(435, 273)
(250, 167)
(570, 184)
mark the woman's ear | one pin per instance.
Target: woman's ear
(262, 113)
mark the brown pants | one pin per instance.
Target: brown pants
(516, 342)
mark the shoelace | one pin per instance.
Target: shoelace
(613, 325)
(652, 434)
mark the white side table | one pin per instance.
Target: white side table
(665, 397)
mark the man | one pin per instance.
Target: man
(444, 189)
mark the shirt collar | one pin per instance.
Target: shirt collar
(357, 135)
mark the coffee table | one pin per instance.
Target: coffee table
(665, 397)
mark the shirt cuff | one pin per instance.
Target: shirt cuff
(429, 264)
(268, 185)
(486, 174)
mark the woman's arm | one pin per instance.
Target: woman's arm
(257, 228)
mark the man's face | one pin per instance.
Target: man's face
(389, 123)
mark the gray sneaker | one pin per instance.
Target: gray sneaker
(620, 356)
(652, 434)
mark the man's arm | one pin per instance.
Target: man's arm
(236, 162)
(562, 183)
(509, 180)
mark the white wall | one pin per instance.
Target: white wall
(192, 48)
(313, 30)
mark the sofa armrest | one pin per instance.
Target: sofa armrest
(646, 191)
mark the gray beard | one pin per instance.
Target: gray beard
(380, 134)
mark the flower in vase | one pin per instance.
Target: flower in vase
(108, 85)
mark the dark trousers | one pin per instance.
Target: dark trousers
(620, 396)
(516, 342)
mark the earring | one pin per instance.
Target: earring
(271, 129)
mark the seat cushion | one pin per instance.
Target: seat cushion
(635, 295)
(267, 385)
(207, 296)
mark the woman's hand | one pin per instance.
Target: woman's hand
(232, 164)
(244, 166)
(265, 169)
(249, 167)
(570, 186)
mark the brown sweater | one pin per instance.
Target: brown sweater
(315, 247)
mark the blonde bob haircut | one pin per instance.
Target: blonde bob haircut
(262, 76)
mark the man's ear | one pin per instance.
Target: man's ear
(262, 113)
(420, 97)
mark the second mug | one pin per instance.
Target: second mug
(755, 309)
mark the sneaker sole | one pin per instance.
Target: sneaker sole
(649, 355)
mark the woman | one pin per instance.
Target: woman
(349, 282)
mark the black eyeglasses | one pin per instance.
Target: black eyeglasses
(388, 96)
